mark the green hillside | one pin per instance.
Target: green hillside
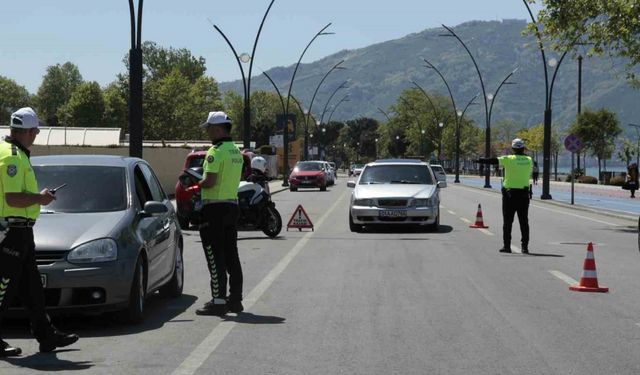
(378, 73)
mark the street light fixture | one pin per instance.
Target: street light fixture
(344, 99)
(286, 112)
(246, 80)
(440, 126)
(326, 105)
(135, 83)
(487, 98)
(554, 63)
(306, 120)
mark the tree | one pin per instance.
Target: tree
(12, 97)
(160, 62)
(85, 107)
(533, 139)
(116, 111)
(598, 131)
(58, 84)
(626, 151)
(610, 26)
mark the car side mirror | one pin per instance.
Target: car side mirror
(152, 208)
(442, 184)
(351, 184)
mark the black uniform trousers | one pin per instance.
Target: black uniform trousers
(515, 201)
(219, 234)
(19, 274)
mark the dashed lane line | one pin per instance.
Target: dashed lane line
(563, 277)
(465, 220)
(451, 212)
(203, 351)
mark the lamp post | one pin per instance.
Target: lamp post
(306, 120)
(376, 144)
(323, 142)
(440, 126)
(135, 82)
(246, 80)
(487, 111)
(326, 105)
(344, 99)
(423, 149)
(286, 112)
(637, 127)
(397, 146)
(459, 119)
(553, 63)
(357, 152)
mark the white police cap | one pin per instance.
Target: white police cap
(216, 118)
(517, 143)
(24, 118)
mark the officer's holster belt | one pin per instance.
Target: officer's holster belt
(214, 201)
(20, 222)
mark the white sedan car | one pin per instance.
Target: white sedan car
(395, 192)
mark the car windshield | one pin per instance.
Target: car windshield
(86, 189)
(309, 167)
(196, 162)
(358, 166)
(396, 174)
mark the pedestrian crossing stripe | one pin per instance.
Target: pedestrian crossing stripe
(300, 219)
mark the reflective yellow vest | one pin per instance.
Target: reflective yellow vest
(16, 176)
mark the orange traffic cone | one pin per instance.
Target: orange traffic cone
(589, 280)
(479, 223)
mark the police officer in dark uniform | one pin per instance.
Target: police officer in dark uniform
(19, 208)
(516, 192)
(222, 170)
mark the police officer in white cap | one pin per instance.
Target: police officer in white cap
(20, 204)
(222, 170)
(516, 192)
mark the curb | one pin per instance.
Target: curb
(602, 211)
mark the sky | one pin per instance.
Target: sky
(96, 35)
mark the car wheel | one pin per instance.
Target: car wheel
(435, 226)
(135, 312)
(273, 222)
(184, 222)
(291, 188)
(174, 287)
(353, 226)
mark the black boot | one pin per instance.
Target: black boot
(210, 308)
(235, 306)
(505, 249)
(525, 249)
(57, 339)
(8, 351)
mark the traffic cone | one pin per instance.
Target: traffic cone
(479, 223)
(589, 280)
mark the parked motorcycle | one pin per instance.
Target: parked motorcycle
(257, 210)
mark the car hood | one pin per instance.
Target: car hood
(393, 191)
(64, 231)
(308, 173)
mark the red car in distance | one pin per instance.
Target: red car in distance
(308, 174)
(188, 197)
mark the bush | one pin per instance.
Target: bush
(617, 181)
(587, 180)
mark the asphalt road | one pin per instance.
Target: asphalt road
(385, 301)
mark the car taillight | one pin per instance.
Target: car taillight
(193, 189)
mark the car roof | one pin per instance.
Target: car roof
(403, 161)
(101, 160)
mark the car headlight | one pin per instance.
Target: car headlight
(421, 203)
(103, 250)
(364, 202)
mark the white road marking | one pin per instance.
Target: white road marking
(465, 220)
(203, 351)
(638, 324)
(564, 277)
(488, 233)
(451, 212)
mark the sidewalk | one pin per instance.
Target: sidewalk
(601, 198)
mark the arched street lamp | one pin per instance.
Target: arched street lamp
(376, 144)
(326, 105)
(553, 63)
(286, 112)
(135, 82)
(246, 80)
(487, 149)
(344, 99)
(440, 126)
(306, 120)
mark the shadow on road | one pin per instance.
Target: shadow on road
(249, 318)
(545, 255)
(278, 238)
(159, 311)
(49, 362)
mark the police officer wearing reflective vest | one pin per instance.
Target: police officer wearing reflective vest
(222, 170)
(19, 208)
(516, 192)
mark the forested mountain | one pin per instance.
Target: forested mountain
(379, 73)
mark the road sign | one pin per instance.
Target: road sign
(300, 219)
(573, 143)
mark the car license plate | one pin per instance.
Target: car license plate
(43, 278)
(392, 213)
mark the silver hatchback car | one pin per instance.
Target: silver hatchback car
(395, 192)
(110, 238)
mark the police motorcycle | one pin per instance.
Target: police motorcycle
(257, 210)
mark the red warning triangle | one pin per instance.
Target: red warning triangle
(300, 219)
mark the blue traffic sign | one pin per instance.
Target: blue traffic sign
(573, 143)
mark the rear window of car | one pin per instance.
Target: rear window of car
(86, 187)
(309, 167)
(196, 162)
(396, 174)
(437, 169)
